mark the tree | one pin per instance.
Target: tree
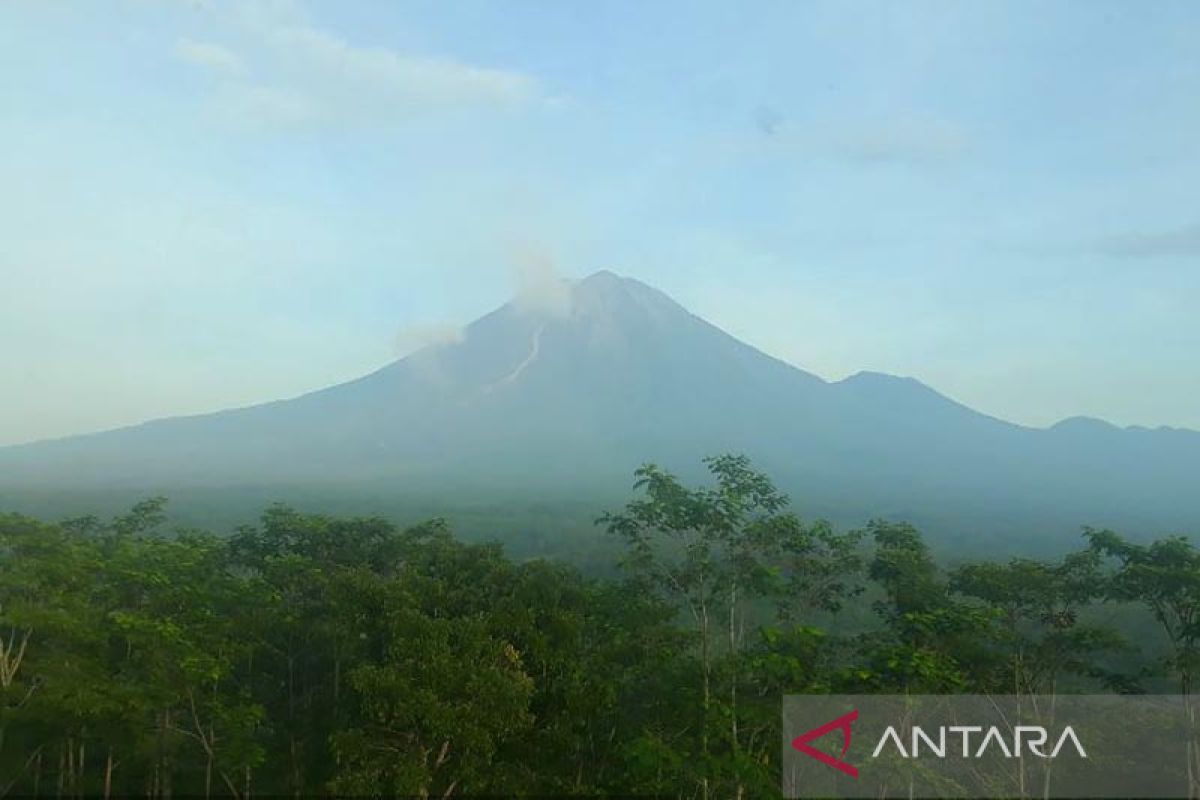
(714, 550)
(1165, 577)
(931, 643)
(1039, 606)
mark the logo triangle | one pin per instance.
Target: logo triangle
(842, 723)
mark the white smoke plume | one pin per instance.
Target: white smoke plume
(411, 338)
(540, 289)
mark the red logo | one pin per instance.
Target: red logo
(843, 724)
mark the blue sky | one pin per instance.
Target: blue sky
(212, 204)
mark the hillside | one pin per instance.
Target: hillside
(532, 400)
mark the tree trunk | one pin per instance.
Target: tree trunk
(1185, 690)
(295, 766)
(72, 787)
(167, 765)
(337, 685)
(108, 771)
(707, 697)
(62, 771)
(158, 756)
(733, 654)
(79, 791)
(733, 678)
(34, 757)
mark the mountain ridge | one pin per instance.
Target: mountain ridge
(610, 278)
(579, 386)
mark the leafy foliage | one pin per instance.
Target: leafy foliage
(310, 654)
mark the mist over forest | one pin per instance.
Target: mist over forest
(312, 654)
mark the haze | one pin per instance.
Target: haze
(209, 205)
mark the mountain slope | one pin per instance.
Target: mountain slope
(619, 375)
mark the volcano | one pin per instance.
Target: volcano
(617, 375)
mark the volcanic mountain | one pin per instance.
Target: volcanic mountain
(617, 375)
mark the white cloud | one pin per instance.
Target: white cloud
(257, 105)
(1183, 241)
(414, 79)
(304, 74)
(208, 55)
(869, 140)
(904, 139)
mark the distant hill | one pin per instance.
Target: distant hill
(540, 400)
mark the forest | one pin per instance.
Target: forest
(316, 655)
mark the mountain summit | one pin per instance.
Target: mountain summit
(600, 375)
